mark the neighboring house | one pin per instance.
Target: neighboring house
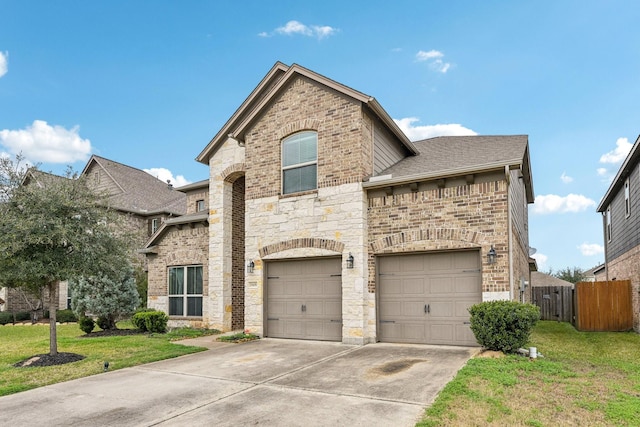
(177, 258)
(620, 209)
(595, 274)
(542, 279)
(145, 202)
(332, 225)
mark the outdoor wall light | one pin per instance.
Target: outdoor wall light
(492, 255)
(250, 266)
(350, 261)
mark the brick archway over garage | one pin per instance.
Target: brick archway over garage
(330, 245)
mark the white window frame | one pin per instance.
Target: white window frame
(155, 224)
(200, 205)
(185, 294)
(608, 219)
(627, 199)
(298, 165)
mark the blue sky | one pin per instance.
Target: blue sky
(148, 83)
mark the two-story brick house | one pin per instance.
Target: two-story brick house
(332, 225)
(620, 209)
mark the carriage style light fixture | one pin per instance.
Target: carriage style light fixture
(250, 266)
(492, 255)
(350, 261)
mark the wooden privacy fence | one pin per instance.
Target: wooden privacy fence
(603, 306)
(555, 302)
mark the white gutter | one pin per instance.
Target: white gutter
(510, 228)
(488, 167)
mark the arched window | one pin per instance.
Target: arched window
(300, 162)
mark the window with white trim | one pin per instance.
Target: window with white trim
(627, 202)
(609, 224)
(200, 205)
(185, 291)
(155, 224)
(300, 162)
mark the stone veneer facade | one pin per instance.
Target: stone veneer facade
(626, 267)
(339, 217)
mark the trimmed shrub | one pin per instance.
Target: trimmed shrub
(66, 316)
(5, 317)
(503, 325)
(150, 320)
(86, 324)
(103, 323)
(23, 315)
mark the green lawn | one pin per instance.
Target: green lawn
(584, 378)
(20, 342)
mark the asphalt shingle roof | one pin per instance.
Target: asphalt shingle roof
(444, 153)
(141, 192)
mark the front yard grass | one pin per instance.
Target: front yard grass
(585, 378)
(20, 342)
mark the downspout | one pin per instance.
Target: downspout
(606, 245)
(510, 229)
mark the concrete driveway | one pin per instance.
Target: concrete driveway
(266, 382)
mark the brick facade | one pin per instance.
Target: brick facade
(626, 267)
(343, 157)
(180, 246)
(463, 217)
(238, 262)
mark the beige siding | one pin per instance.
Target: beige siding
(387, 150)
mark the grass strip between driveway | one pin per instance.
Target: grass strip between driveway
(584, 378)
(20, 342)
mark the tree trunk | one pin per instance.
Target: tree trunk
(53, 308)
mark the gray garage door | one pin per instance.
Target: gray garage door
(304, 299)
(423, 298)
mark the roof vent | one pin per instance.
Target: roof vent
(169, 184)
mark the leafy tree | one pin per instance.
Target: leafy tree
(573, 275)
(107, 297)
(53, 229)
(142, 285)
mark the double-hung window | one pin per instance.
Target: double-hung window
(300, 162)
(627, 201)
(185, 291)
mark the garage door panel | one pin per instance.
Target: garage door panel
(306, 297)
(415, 286)
(449, 283)
(441, 285)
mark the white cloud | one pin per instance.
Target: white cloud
(4, 63)
(298, 28)
(602, 171)
(166, 175)
(541, 260)
(434, 59)
(425, 56)
(566, 178)
(552, 203)
(618, 154)
(590, 249)
(41, 142)
(416, 133)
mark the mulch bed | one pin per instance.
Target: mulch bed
(40, 360)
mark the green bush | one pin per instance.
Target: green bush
(86, 324)
(503, 325)
(23, 315)
(103, 323)
(65, 316)
(5, 317)
(150, 320)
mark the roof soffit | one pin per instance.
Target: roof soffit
(625, 169)
(253, 106)
(275, 73)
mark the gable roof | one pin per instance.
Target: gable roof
(198, 217)
(270, 86)
(542, 279)
(444, 156)
(625, 170)
(136, 191)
